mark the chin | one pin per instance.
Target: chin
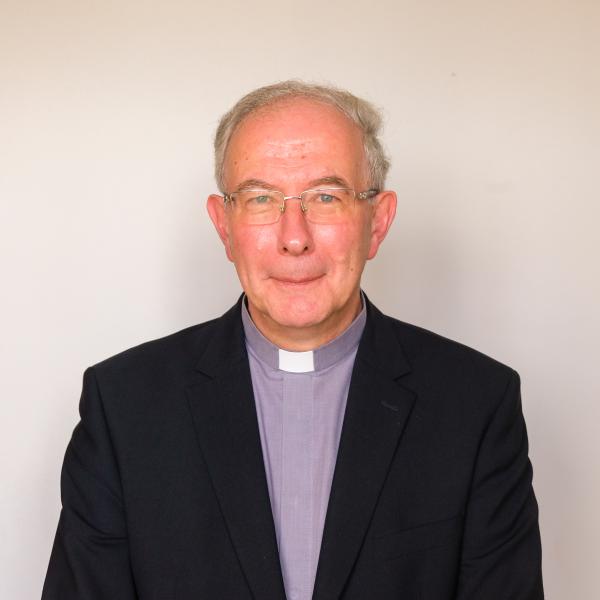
(298, 314)
(298, 311)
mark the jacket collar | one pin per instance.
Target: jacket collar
(379, 347)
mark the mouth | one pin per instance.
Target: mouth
(296, 281)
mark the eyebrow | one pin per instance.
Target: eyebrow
(330, 180)
(249, 184)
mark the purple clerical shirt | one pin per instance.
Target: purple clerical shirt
(300, 402)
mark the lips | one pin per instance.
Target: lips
(297, 280)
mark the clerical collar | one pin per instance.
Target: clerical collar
(303, 362)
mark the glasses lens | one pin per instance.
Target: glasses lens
(328, 205)
(257, 207)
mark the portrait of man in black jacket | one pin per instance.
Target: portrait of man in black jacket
(302, 445)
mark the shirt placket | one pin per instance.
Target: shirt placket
(297, 513)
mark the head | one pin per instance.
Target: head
(302, 278)
(363, 114)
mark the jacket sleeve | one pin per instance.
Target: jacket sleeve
(501, 551)
(90, 556)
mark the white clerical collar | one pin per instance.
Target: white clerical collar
(296, 362)
(303, 362)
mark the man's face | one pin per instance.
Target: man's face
(298, 276)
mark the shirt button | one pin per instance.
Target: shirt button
(294, 595)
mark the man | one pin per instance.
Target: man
(303, 445)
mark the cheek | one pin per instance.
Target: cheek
(344, 245)
(264, 240)
(247, 240)
(251, 247)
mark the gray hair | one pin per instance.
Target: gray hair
(359, 111)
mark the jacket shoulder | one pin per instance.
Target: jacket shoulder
(431, 352)
(451, 378)
(178, 350)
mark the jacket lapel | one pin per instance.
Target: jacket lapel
(377, 410)
(224, 415)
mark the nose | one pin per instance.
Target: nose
(295, 236)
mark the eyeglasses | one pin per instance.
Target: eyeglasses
(322, 206)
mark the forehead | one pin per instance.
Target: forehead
(295, 140)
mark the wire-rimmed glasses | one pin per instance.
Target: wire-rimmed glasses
(322, 205)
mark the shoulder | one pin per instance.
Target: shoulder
(163, 357)
(446, 368)
(423, 345)
(148, 383)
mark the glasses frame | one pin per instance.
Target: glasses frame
(364, 195)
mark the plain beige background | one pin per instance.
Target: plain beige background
(107, 111)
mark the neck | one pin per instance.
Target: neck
(301, 339)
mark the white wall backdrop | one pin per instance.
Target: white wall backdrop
(107, 111)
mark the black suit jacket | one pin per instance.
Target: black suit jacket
(165, 496)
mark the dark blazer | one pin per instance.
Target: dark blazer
(165, 496)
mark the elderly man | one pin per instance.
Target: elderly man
(303, 445)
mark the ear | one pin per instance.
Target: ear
(216, 211)
(383, 214)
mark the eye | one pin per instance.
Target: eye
(254, 199)
(326, 198)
